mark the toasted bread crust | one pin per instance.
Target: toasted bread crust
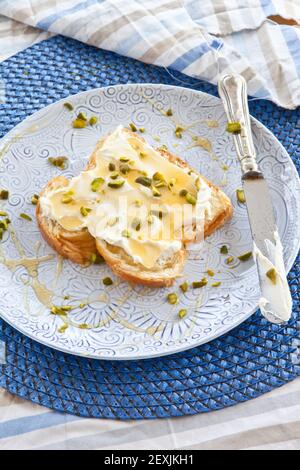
(137, 273)
(78, 246)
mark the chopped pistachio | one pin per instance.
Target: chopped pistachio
(144, 180)
(169, 112)
(245, 256)
(136, 224)
(79, 123)
(66, 297)
(107, 281)
(224, 250)
(66, 308)
(131, 162)
(160, 184)
(82, 305)
(114, 175)
(132, 127)
(183, 193)
(198, 184)
(26, 217)
(184, 287)
(63, 328)
(85, 211)
(229, 260)
(155, 192)
(68, 106)
(158, 176)
(96, 258)
(172, 298)
(158, 214)
(112, 167)
(163, 147)
(59, 162)
(96, 184)
(67, 199)
(240, 195)
(182, 313)
(57, 310)
(142, 154)
(93, 120)
(4, 224)
(272, 275)
(234, 127)
(210, 272)
(126, 233)
(82, 116)
(116, 184)
(138, 203)
(112, 221)
(4, 194)
(35, 199)
(191, 199)
(199, 284)
(3, 214)
(124, 159)
(124, 168)
(150, 219)
(1, 233)
(83, 326)
(216, 284)
(142, 130)
(178, 132)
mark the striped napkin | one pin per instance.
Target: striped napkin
(271, 422)
(201, 38)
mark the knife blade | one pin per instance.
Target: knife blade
(275, 302)
(260, 211)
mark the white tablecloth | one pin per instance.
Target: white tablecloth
(269, 422)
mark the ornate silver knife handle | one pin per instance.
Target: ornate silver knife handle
(233, 92)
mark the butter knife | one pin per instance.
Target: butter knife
(275, 302)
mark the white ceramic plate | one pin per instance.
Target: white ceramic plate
(133, 322)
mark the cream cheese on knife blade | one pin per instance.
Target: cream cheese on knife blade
(276, 301)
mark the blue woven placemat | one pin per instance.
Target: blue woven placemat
(251, 360)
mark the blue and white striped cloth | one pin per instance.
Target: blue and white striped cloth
(201, 38)
(271, 422)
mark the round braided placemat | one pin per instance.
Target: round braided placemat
(251, 360)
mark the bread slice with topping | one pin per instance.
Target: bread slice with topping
(79, 243)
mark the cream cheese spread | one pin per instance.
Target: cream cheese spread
(276, 301)
(147, 213)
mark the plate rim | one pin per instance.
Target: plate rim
(179, 349)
